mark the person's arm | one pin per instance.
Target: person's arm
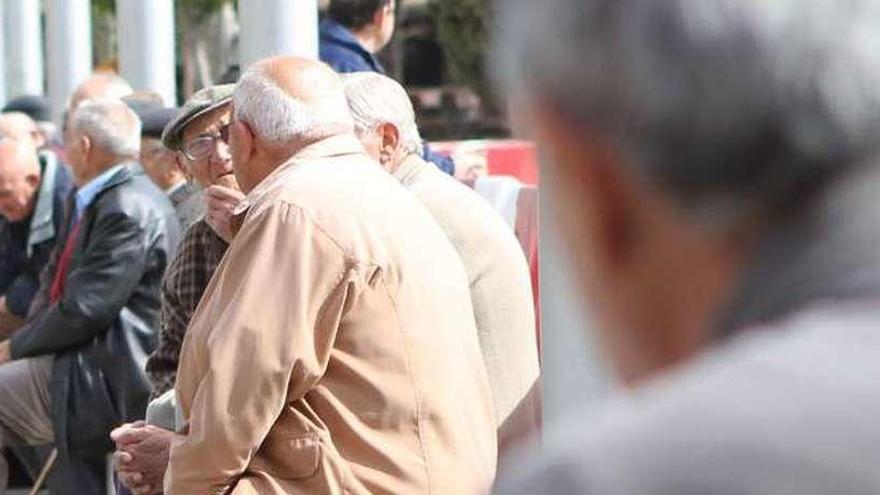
(272, 311)
(95, 290)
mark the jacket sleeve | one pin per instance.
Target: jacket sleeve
(271, 314)
(96, 289)
(20, 294)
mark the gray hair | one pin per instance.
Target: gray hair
(111, 125)
(279, 118)
(735, 107)
(374, 100)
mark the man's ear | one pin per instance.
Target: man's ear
(390, 137)
(597, 193)
(245, 140)
(85, 144)
(33, 180)
(178, 161)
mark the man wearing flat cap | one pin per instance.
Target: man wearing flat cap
(195, 137)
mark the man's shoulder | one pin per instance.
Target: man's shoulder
(789, 407)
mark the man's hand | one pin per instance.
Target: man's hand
(5, 355)
(220, 201)
(141, 456)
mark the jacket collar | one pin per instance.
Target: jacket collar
(335, 33)
(825, 252)
(42, 228)
(411, 168)
(332, 147)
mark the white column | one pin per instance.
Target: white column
(24, 47)
(3, 68)
(277, 27)
(145, 33)
(572, 370)
(69, 35)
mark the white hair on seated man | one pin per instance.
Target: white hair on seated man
(279, 119)
(111, 125)
(375, 100)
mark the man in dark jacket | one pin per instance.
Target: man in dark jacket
(350, 36)
(33, 191)
(76, 367)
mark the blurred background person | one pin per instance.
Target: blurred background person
(353, 32)
(719, 160)
(32, 199)
(74, 370)
(196, 136)
(493, 259)
(37, 108)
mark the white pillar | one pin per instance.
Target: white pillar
(24, 47)
(3, 68)
(145, 33)
(69, 35)
(572, 370)
(276, 27)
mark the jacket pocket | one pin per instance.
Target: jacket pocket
(292, 458)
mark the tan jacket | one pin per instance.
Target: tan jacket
(335, 350)
(501, 293)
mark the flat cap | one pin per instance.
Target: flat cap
(201, 103)
(153, 121)
(34, 106)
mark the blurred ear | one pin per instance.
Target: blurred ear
(390, 137)
(244, 140)
(594, 188)
(85, 144)
(33, 180)
(181, 165)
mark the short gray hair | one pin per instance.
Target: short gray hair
(374, 100)
(735, 107)
(111, 126)
(279, 119)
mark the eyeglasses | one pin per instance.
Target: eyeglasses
(202, 146)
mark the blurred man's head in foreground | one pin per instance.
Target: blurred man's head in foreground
(677, 135)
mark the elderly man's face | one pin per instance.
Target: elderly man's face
(209, 161)
(18, 187)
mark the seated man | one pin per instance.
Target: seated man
(335, 349)
(75, 369)
(32, 199)
(500, 286)
(142, 449)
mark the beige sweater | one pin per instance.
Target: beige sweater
(500, 292)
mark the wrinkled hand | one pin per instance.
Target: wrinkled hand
(220, 201)
(141, 456)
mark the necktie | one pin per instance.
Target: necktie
(57, 289)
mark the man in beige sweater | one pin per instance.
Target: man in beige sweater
(493, 259)
(334, 351)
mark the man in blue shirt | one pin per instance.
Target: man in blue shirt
(33, 191)
(350, 36)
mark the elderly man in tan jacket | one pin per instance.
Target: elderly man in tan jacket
(335, 350)
(497, 271)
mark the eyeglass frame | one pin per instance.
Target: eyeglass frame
(222, 135)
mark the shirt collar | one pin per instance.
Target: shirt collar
(410, 169)
(87, 192)
(41, 227)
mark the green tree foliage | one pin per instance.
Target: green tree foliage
(196, 9)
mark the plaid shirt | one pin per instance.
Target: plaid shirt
(185, 280)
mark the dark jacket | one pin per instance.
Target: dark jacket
(340, 50)
(26, 246)
(104, 326)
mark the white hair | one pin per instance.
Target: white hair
(374, 100)
(279, 118)
(111, 125)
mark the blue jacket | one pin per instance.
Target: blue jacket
(25, 246)
(339, 49)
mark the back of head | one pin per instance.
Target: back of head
(287, 101)
(374, 100)
(735, 107)
(99, 86)
(111, 126)
(18, 126)
(354, 14)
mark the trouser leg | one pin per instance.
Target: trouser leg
(24, 406)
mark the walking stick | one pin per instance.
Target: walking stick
(41, 479)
